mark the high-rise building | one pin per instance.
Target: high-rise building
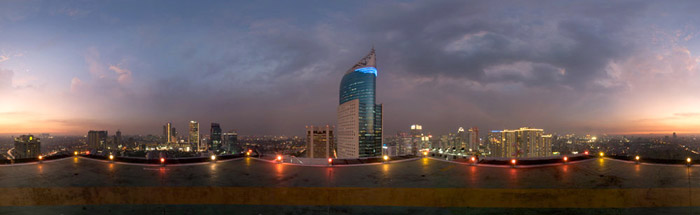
(523, 142)
(117, 142)
(97, 140)
(194, 136)
(215, 137)
(461, 139)
(417, 140)
(359, 116)
(27, 146)
(473, 142)
(230, 142)
(319, 142)
(169, 133)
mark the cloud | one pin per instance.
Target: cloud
(75, 84)
(124, 75)
(3, 58)
(687, 115)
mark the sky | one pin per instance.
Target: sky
(273, 67)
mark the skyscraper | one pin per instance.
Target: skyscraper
(473, 139)
(319, 142)
(230, 142)
(97, 139)
(27, 146)
(215, 137)
(169, 133)
(359, 117)
(194, 136)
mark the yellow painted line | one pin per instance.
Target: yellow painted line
(346, 196)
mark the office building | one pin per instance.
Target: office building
(215, 137)
(230, 142)
(27, 146)
(193, 138)
(97, 140)
(319, 142)
(359, 117)
(473, 141)
(169, 134)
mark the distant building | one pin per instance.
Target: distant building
(473, 142)
(359, 116)
(194, 136)
(523, 142)
(461, 139)
(230, 142)
(27, 146)
(169, 133)
(319, 142)
(117, 142)
(215, 137)
(97, 140)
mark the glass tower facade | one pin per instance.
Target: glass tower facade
(359, 83)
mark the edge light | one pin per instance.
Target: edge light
(370, 70)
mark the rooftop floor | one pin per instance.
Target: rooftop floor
(425, 185)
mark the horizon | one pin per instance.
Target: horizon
(625, 68)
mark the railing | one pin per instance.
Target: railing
(340, 162)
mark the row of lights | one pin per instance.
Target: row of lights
(385, 157)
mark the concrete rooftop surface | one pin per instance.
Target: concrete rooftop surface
(79, 185)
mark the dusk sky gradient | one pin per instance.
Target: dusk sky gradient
(272, 67)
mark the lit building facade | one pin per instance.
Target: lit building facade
(522, 142)
(194, 136)
(474, 141)
(319, 142)
(359, 117)
(97, 140)
(27, 146)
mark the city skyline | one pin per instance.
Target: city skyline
(581, 67)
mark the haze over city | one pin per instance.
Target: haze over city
(268, 67)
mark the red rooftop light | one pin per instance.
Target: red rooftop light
(566, 159)
(162, 160)
(279, 157)
(330, 160)
(473, 158)
(586, 152)
(512, 161)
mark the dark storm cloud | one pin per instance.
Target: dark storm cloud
(552, 46)
(462, 39)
